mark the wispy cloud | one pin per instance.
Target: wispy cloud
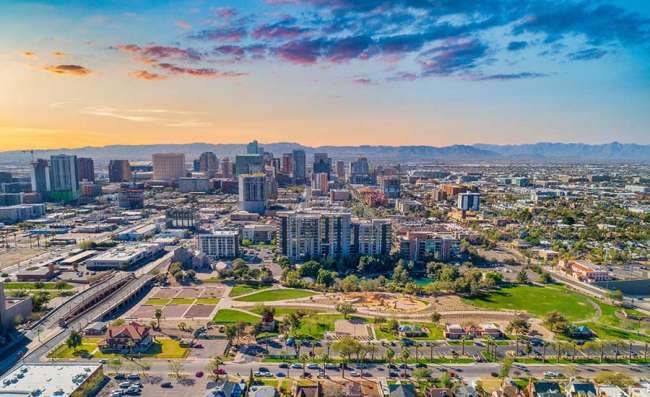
(159, 116)
(145, 75)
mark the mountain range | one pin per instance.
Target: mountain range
(538, 152)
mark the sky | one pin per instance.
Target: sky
(323, 72)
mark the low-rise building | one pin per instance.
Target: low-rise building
(13, 310)
(125, 256)
(259, 233)
(51, 379)
(137, 233)
(586, 270)
(128, 338)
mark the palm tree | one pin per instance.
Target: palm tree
(463, 339)
(158, 315)
(543, 351)
(390, 355)
(213, 366)
(131, 344)
(372, 349)
(417, 351)
(328, 345)
(303, 359)
(405, 355)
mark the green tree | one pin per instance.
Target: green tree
(435, 317)
(522, 277)
(345, 309)
(506, 366)
(74, 340)
(422, 373)
(158, 315)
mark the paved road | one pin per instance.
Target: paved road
(467, 371)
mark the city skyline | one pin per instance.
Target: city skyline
(323, 73)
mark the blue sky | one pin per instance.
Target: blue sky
(392, 72)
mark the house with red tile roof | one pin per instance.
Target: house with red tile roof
(127, 338)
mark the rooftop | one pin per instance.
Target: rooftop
(52, 380)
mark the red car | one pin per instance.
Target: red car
(199, 374)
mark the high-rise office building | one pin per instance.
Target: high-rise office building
(168, 166)
(322, 164)
(208, 163)
(226, 168)
(41, 178)
(314, 233)
(64, 178)
(248, 164)
(287, 163)
(86, 169)
(320, 182)
(254, 148)
(390, 186)
(299, 166)
(359, 171)
(469, 201)
(371, 237)
(119, 171)
(253, 193)
(340, 169)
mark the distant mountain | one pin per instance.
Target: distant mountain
(538, 152)
(572, 151)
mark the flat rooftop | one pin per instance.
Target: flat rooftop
(52, 380)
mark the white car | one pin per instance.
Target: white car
(117, 393)
(551, 374)
(355, 374)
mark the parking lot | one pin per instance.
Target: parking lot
(152, 386)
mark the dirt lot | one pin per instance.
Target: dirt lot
(13, 256)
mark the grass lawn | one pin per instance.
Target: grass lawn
(241, 289)
(182, 301)
(207, 301)
(162, 348)
(607, 332)
(283, 311)
(28, 285)
(157, 301)
(316, 326)
(538, 301)
(230, 316)
(277, 295)
(88, 346)
(380, 334)
(435, 331)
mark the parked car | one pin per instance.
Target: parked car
(133, 377)
(280, 374)
(312, 366)
(283, 365)
(166, 385)
(124, 385)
